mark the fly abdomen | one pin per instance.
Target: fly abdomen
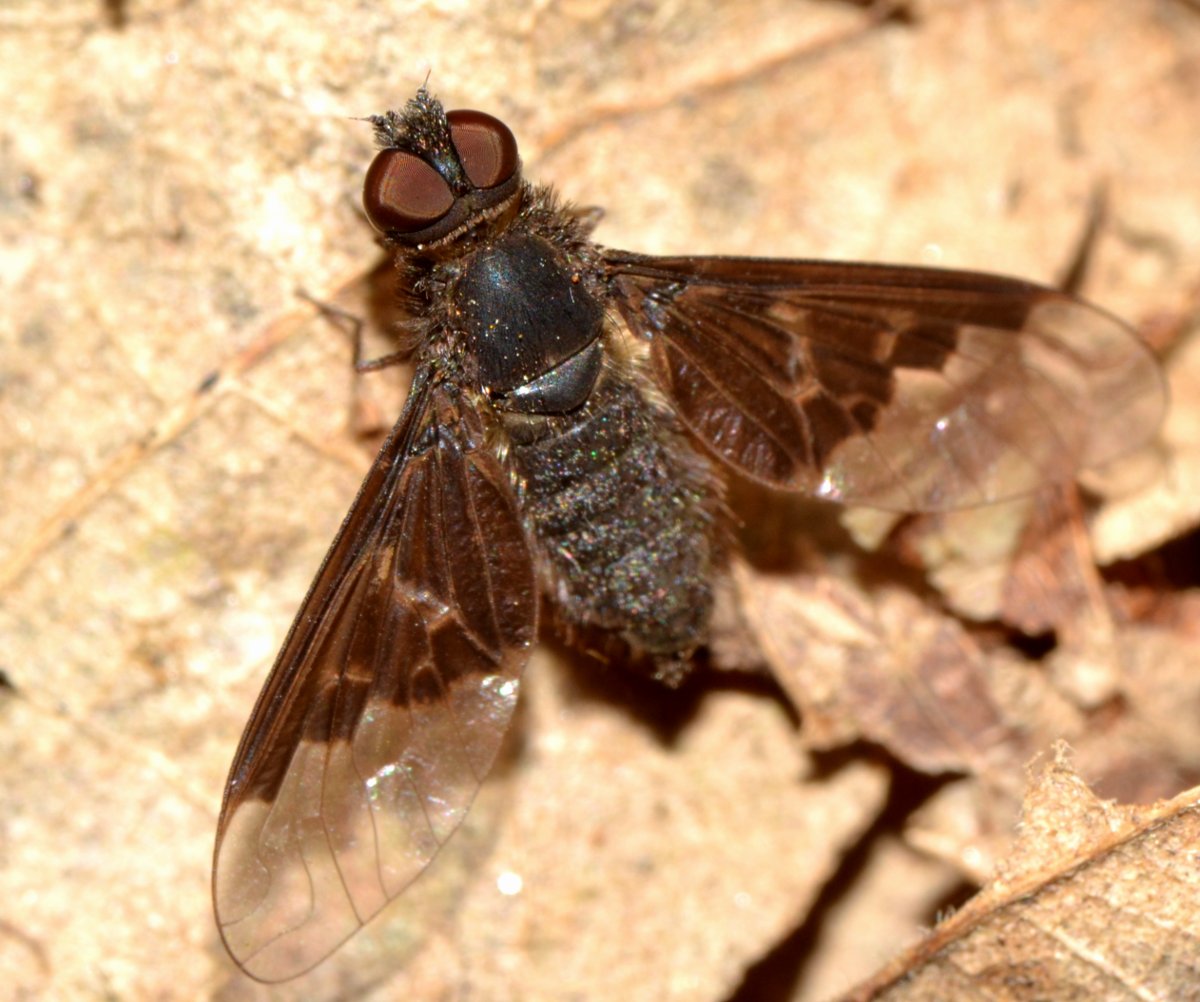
(617, 506)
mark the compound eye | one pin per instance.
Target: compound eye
(404, 194)
(486, 147)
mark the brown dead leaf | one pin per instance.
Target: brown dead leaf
(883, 666)
(1052, 578)
(1139, 748)
(1095, 901)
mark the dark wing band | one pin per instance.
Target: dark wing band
(388, 702)
(913, 389)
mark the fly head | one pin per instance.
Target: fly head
(441, 181)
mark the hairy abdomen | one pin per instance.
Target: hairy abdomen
(619, 506)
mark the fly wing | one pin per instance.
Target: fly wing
(911, 389)
(389, 700)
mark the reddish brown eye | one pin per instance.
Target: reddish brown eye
(486, 148)
(403, 193)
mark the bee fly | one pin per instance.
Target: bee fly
(570, 414)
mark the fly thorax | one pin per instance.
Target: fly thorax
(531, 326)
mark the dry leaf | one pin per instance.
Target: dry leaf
(1095, 901)
(884, 667)
(1052, 578)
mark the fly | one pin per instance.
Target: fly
(572, 415)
